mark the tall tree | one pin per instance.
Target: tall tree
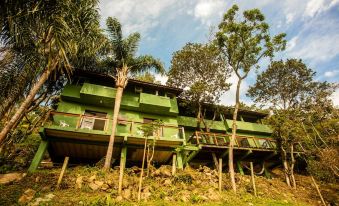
(289, 89)
(244, 42)
(49, 33)
(201, 71)
(122, 61)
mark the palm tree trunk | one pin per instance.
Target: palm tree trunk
(117, 103)
(232, 140)
(25, 104)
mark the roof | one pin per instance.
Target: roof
(105, 78)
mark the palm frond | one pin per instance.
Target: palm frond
(145, 63)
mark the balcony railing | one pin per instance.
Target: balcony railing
(218, 139)
(81, 122)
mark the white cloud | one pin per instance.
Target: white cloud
(314, 7)
(135, 16)
(206, 10)
(161, 78)
(229, 97)
(291, 43)
(331, 73)
(289, 18)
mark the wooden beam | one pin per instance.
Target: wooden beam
(38, 156)
(215, 160)
(191, 156)
(266, 171)
(179, 161)
(245, 155)
(253, 181)
(123, 158)
(220, 174)
(241, 171)
(174, 164)
(224, 154)
(63, 169)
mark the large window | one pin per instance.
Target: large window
(93, 120)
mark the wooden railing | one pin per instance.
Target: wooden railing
(241, 141)
(82, 121)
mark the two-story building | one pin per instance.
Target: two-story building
(81, 126)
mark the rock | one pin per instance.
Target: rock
(119, 198)
(11, 177)
(165, 171)
(27, 196)
(39, 200)
(126, 194)
(99, 183)
(92, 178)
(104, 187)
(167, 182)
(78, 182)
(93, 186)
(37, 179)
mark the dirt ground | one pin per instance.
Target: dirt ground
(84, 185)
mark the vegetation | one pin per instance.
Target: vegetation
(122, 62)
(201, 71)
(244, 42)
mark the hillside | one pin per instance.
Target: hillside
(83, 185)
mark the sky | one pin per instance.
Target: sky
(312, 28)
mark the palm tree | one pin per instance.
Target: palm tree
(49, 33)
(122, 58)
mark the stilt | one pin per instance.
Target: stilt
(220, 174)
(253, 181)
(38, 156)
(174, 164)
(179, 161)
(64, 166)
(215, 160)
(318, 190)
(267, 172)
(241, 171)
(122, 167)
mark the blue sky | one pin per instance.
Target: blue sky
(312, 28)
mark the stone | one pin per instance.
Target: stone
(126, 193)
(11, 177)
(93, 186)
(37, 179)
(104, 187)
(27, 196)
(78, 182)
(99, 183)
(119, 198)
(46, 198)
(92, 178)
(167, 182)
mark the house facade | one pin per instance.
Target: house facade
(81, 126)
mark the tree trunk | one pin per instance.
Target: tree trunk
(25, 104)
(292, 178)
(285, 165)
(232, 140)
(117, 103)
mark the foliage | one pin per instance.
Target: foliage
(147, 77)
(244, 42)
(201, 71)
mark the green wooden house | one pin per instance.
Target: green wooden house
(81, 125)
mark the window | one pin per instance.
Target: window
(159, 131)
(93, 120)
(263, 143)
(138, 90)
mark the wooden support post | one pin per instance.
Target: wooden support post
(123, 157)
(191, 156)
(64, 165)
(266, 171)
(179, 161)
(318, 190)
(253, 181)
(225, 153)
(38, 156)
(215, 160)
(241, 171)
(220, 174)
(174, 164)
